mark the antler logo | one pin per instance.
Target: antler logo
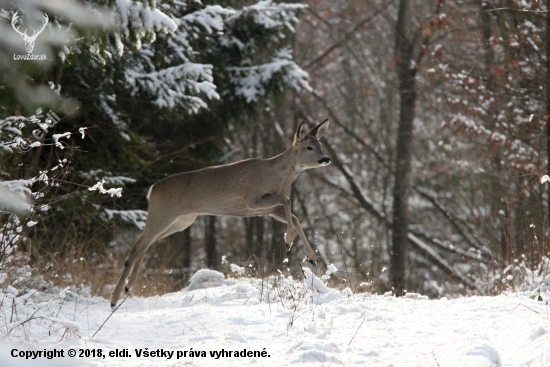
(29, 40)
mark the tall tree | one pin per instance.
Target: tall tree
(406, 72)
(548, 102)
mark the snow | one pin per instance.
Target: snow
(251, 81)
(283, 318)
(313, 282)
(82, 132)
(15, 195)
(210, 18)
(237, 269)
(201, 277)
(176, 84)
(272, 15)
(99, 186)
(133, 14)
(56, 138)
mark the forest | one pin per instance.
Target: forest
(438, 138)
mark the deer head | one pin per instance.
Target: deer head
(29, 40)
(307, 147)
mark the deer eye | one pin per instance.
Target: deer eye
(309, 148)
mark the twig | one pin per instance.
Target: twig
(62, 303)
(436, 361)
(348, 35)
(536, 12)
(356, 331)
(107, 319)
(521, 304)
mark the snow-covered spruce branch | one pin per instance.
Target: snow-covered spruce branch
(13, 128)
(210, 19)
(271, 15)
(142, 20)
(251, 81)
(177, 85)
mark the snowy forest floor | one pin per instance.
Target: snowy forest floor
(287, 322)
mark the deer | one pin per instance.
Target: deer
(247, 188)
(29, 40)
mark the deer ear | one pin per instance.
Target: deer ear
(301, 132)
(319, 130)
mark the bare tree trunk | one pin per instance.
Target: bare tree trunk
(210, 243)
(548, 101)
(487, 33)
(406, 72)
(278, 250)
(186, 251)
(254, 227)
(258, 223)
(249, 236)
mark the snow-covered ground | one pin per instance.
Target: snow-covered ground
(286, 324)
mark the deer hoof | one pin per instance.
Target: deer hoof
(313, 262)
(127, 290)
(288, 246)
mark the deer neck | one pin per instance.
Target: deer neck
(287, 165)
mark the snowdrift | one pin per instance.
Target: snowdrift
(280, 322)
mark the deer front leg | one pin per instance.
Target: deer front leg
(310, 254)
(271, 201)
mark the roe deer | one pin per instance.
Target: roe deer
(252, 187)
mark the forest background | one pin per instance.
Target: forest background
(438, 137)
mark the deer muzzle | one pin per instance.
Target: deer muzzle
(324, 161)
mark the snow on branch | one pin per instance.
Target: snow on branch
(11, 132)
(273, 15)
(312, 282)
(265, 16)
(439, 260)
(144, 19)
(134, 217)
(120, 125)
(15, 195)
(251, 81)
(177, 85)
(56, 138)
(518, 153)
(210, 19)
(193, 26)
(99, 186)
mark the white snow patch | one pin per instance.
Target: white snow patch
(215, 313)
(205, 278)
(112, 192)
(237, 269)
(313, 282)
(538, 332)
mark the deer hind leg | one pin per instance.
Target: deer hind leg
(280, 215)
(179, 225)
(152, 231)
